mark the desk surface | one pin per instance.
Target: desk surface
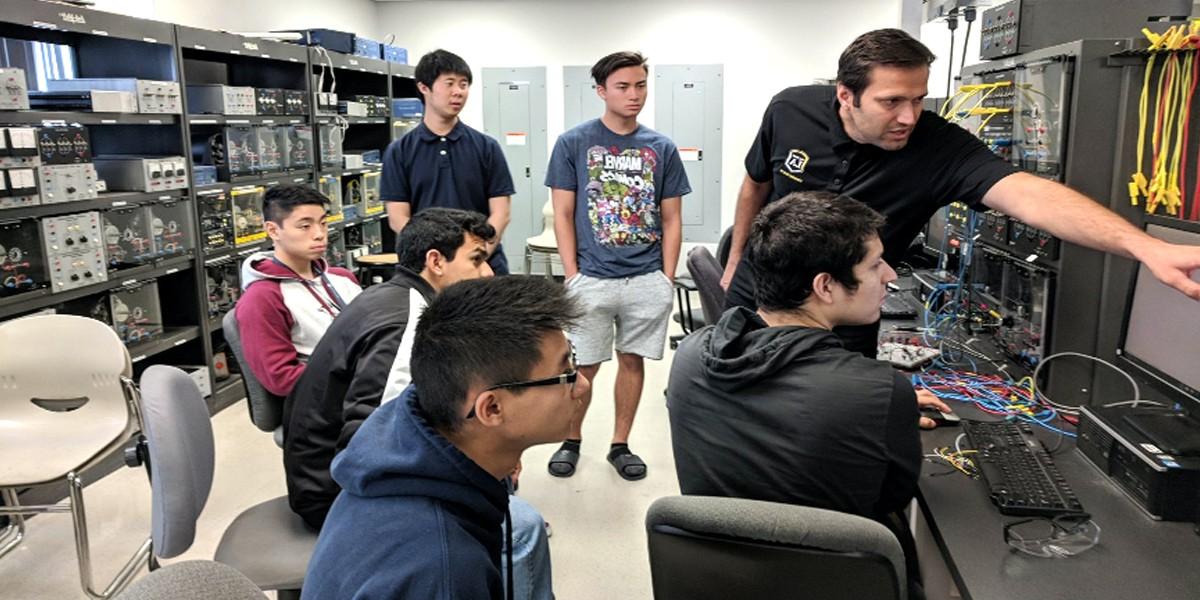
(1137, 557)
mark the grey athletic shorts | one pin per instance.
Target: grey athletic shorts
(639, 309)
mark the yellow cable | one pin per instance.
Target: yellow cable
(1138, 183)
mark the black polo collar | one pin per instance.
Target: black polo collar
(429, 136)
(837, 132)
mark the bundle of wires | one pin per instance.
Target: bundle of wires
(1178, 65)
(996, 395)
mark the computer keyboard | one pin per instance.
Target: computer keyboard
(900, 305)
(1021, 476)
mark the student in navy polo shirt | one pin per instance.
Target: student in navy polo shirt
(445, 163)
(617, 188)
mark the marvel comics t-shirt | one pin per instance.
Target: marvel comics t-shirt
(619, 183)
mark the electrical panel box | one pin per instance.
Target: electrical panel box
(14, 91)
(68, 183)
(204, 175)
(171, 228)
(330, 138)
(351, 108)
(74, 250)
(372, 204)
(128, 241)
(222, 283)
(217, 99)
(352, 200)
(64, 145)
(296, 146)
(18, 188)
(22, 258)
(270, 101)
(136, 313)
(249, 226)
(216, 220)
(138, 174)
(330, 186)
(154, 97)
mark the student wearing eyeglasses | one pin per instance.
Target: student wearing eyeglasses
(423, 503)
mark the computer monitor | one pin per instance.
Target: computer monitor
(935, 234)
(1162, 326)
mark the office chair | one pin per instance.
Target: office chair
(63, 411)
(194, 580)
(266, 409)
(704, 548)
(544, 244)
(267, 543)
(723, 247)
(706, 273)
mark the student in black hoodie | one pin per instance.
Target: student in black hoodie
(769, 405)
(423, 500)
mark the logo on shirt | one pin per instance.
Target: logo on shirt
(794, 164)
(622, 206)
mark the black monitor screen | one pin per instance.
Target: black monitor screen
(1162, 326)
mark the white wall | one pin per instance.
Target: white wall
(764, 45)
(254, 15)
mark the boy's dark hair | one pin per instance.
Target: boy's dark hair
(441, 229)
(617, 60)
(440, 62)
(891, 47)
(482, 332)
(281, 200)
(802, 235)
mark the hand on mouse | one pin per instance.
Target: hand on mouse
(925, 398)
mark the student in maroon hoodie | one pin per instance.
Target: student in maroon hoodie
(290, 295)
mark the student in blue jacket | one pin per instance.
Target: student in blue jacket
(423, 503)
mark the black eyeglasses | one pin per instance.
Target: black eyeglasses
(567, 378)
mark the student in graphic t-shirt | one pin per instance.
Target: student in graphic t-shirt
(617, 188)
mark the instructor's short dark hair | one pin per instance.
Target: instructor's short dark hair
(802, 235)
(441, 229)
(482, 332)
(279, 201)
(891, 47)
(439, 62)
(617, 60)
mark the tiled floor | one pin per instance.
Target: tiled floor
(598, 545)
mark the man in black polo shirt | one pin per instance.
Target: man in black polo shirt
(867, 138)
(445, 163)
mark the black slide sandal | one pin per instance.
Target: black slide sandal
(562, 463)
(628, 465)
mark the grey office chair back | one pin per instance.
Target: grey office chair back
(705, 548)
(724, 246)
(179, 441)
(706, 273)
(266, 409)
(194, 580)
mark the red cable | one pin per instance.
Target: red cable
(1187, 110)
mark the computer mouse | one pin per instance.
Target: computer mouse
(940, 418)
